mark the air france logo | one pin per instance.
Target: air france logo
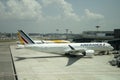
(95, 44)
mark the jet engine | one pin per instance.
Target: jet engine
(88, 52)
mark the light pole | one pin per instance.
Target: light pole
(67, 33)
(70, 32)
(57, 30)
(97, 27)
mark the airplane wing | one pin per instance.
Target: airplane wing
(74, 51)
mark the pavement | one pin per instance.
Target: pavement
(33, 65)
(6, 63)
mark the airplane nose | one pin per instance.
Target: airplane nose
(112, 48)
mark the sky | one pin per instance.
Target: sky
(51, 16)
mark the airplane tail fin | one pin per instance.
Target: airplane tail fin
(24, 38)
(20, 39)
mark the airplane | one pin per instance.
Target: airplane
(87, 49)
(21, 41)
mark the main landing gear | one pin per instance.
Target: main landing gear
(70, 55)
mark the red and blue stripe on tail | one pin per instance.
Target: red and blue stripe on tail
(25, 37)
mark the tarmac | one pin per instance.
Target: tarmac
(33, 65)
(7, 69)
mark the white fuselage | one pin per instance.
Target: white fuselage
(63, 48)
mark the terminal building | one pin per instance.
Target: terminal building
(112, 37)
(88, 36)
(116, 41)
